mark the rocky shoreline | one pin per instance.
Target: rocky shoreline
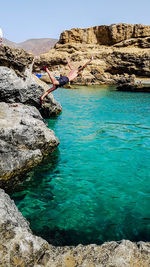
(24, 141)
(24, 136)
(19, 247)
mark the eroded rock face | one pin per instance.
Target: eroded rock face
(19, 247)
(117, 49)
(24, 140)
(105, 35)
(17, 59)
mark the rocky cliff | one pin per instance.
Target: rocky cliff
(105, 35)
(17, 84)
(117, 49)
(24, 136)
(24, 141)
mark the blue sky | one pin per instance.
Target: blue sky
(22, 20)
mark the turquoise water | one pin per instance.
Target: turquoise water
(95, 186)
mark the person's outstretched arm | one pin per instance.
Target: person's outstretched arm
(84, 66)
(69, 64)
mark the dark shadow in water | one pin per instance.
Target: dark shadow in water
(72, 237)
(34, 178)
(130, 228)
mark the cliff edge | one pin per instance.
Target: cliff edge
(24, 136)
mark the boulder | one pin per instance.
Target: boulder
(17, 84)
(14, 89)
(24, 141)
(19, 247)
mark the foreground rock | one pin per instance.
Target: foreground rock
(17, 84)
(24, 140)
(117, 49)
(19, 247)
(14, 89)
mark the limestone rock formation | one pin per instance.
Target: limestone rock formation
(24, 140)
(19, 247)
(105, 35)
(117, 49)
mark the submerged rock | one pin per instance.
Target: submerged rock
(24, 140)
(19, 247)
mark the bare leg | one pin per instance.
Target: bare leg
(52, 78)
(54, 82)
(47, 92)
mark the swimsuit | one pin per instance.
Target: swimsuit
(62, 81)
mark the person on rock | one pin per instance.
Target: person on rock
(63, 79)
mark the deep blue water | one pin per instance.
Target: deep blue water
(96, 186)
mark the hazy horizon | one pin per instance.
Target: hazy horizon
(29, 39)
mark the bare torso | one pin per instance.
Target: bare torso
(72, 74)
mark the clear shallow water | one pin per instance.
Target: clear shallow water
(95, 187)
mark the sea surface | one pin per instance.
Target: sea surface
(96, 186)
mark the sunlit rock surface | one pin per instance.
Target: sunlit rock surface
(24, 140)
(118, 49)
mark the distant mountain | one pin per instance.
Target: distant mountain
(34, 46)
(9, 43)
